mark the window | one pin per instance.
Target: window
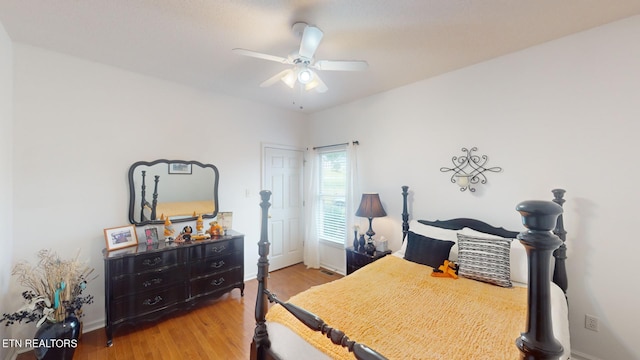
(332, 184)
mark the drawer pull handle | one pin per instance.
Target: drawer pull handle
(217, 282)
(218, 264)
(155, 281)
(150, 302)
(217, 249)
(153, 262)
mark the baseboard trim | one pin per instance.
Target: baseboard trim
(94, 325)
(577, 355)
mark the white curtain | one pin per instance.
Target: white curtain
(353, 191)
(311, 242)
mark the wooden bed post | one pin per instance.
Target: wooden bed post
(154, 203)
(539, 217)
(405, 213)
(560, 254)
(143, 201)
(261, 341)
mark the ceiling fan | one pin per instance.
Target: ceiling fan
(303, 63)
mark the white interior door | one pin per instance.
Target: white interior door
(283, 175)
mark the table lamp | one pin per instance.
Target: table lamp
(370, 207)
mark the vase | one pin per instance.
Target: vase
(57, 340)
(370, 248)
(355, 240)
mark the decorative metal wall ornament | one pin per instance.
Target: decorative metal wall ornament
(469, 169)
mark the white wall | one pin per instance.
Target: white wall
(562, 114)
(6, 175)
(80, 125)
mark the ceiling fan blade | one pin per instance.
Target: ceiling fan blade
(275, 78)
(311, 38)
(341, 65)
(317, 84)
(258, 55)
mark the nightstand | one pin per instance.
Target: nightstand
(356, 260)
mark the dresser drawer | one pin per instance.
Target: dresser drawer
(148, 281)
(141, 263)
(215, 282)
(146, 302)
(215, 264)
(214, 248)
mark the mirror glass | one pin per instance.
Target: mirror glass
(172, 188)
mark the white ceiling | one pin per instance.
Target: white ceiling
(190, 41)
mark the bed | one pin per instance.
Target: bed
(394, 308)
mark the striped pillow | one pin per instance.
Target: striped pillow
(484, 259)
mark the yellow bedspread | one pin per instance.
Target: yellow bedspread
(395, 307)
(185, 208)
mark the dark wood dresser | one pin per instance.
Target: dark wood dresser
(147, 282)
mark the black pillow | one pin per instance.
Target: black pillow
(427, 251)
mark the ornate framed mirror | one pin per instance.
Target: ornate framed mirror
(172, 188)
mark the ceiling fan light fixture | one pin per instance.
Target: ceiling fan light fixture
(305, 75)
(316, 84)
(289, 79)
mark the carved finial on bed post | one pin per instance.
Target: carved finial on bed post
(560, 270)
(405, 213)
(260, 336)
(540, 218)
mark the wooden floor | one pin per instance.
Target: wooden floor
(221, 329)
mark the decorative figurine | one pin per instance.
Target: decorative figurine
(199, 225)
(186, 233)
(361, 243)
(215, 229)
(168, 230)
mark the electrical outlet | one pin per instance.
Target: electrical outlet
(591, 322)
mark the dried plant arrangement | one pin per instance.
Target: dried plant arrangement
(55, 289)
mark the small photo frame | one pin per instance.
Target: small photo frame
(151, 235)
(120, 237)
(225, 219)
(179, 168)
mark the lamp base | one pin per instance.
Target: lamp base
(370, 232)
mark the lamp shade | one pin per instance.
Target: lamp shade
(370, 206)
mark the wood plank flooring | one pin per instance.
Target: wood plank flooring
(220, 329)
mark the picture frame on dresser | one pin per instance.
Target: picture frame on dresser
(225, 219)
(180, 168)
(151, 235)
(120, 237)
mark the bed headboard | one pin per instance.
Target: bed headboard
(458, 224)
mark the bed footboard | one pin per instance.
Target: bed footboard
(338, 337)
